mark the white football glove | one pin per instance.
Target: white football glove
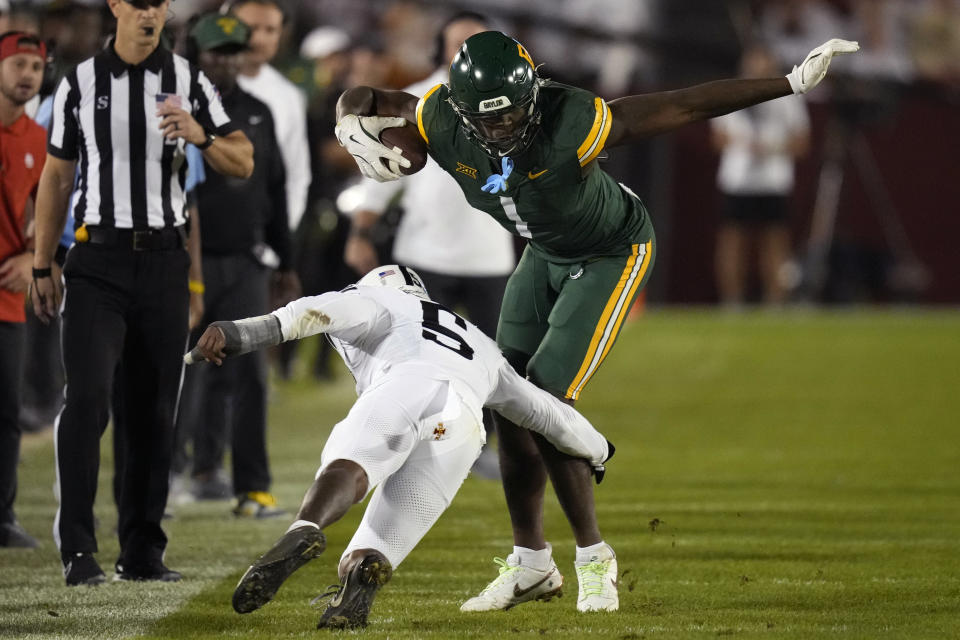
(814, 67)
(360, 135)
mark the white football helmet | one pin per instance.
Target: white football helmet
(398, 277)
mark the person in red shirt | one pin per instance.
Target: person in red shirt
(22, 153)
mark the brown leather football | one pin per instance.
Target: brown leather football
(407, 141)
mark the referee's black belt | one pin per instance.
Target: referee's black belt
(135, 239)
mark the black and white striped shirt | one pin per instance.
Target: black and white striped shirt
(130, 176)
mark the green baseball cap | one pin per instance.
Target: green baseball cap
(215, 30)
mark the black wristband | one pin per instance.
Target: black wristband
(42, 273)
(362, 232)
(206, 144)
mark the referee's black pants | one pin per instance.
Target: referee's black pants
(129, 309)
(229, 403)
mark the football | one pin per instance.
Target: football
(407, 141)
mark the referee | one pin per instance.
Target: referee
(124, 116)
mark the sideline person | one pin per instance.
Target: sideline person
(124, 116)
(22, 154)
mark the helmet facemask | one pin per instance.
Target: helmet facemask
(494, 90)
(503, 131)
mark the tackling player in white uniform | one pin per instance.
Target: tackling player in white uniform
(423, 375)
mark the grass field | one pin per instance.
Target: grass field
(789, 476)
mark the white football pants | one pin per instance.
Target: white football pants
(416, 438)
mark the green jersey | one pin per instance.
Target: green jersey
(568, 208)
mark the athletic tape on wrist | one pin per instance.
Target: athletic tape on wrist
(250, 334)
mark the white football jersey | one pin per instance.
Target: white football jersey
(382, 330)
(378, 328)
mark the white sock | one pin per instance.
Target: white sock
(599, 551)
(302, 523)
(538, 559)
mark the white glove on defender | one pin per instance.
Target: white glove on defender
(360, 135)
(814, 67)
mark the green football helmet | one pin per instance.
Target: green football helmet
(493, 88)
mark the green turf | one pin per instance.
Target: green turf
(791, 476)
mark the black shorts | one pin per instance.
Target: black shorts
(756, 210)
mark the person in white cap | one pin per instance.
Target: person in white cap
(322, 42)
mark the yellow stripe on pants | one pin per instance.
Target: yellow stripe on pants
(612, 317)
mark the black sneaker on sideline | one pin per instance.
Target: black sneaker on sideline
(151, 571)
(213, 485)
(260, 582)
(351, 603)
(82, 569)
(12, 535)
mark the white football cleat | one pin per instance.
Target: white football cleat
(597, 580)
(515, 585)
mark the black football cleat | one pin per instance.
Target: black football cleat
(600, 470)
(154, 571)
(351, 602)
(261, 581)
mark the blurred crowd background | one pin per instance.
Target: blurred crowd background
(859, 185)
(874, 211)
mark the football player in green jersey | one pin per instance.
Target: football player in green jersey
(523, 149)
